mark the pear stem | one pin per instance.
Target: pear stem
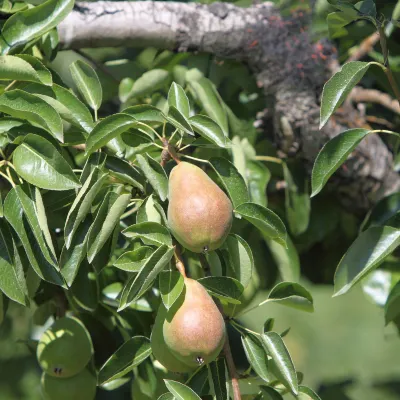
(227, 348)
(168, 153)
(178, 261)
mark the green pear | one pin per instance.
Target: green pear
(160, 350)
(78, 387)
(194, 329)
(65, 348)
(199, 212)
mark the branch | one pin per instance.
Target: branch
(360, 95)
(285, 62)
(365, 47)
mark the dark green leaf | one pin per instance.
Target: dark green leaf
(277, 350)
(124, 172)
(171, 284)
(149, 82)
(265, 220)
(155, 173)
(132, 261)
(151, 211)
(270, 393)
(392, 306)
(139, 284)
(366, 253)
(180, 391)
(20, 104)
(219, 379)
(150, 233)
(256, 355)
(258, 176)
(145, 113)
(333, 155)
(291, 294)
(178, 99)
(231, 180)
(111, 209)
(179, 121)
(29, 24)
(209, 129)
(16, 68)
(305, 393)
(87, 83)
(339, 86)
(223, 287)
(38, 162)
(108, 129)
(129, 355)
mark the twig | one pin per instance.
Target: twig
(178, 261)
(360, 95)
(365, 47)
(227, 348)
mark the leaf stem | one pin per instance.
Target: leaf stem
(195, 159)
(233, 322)
(8, 179)
(388, 71)
(10, 86)
(95, 115)
(268, 158)
(173, 134)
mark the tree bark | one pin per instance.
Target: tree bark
(290, 68)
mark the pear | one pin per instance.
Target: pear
(199, 212)
(159, 348)
(78, 387)
(194, 329)
(65, 348)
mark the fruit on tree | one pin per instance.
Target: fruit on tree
(78, 387)
(65, 348)
(199, 212)
(159, 348)
(194, 329)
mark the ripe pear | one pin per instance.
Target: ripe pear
(160, 350)
(78, 387)
(194, 329)
(199, 212)
(65, 348)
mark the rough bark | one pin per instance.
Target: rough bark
(290, 68)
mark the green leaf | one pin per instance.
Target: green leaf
(277, 350)
(79, 111)
(150, 233)
(145, 113)
(265, 220)
(151, 211)
(286, 258)
(155, 173)
(291, 294)
(179, 121)
(38, 162)
(124, 172)
(269, 393)
(178, 99)
(149, 82)
(14, 213)
(297, 199)
(132, 261)
(29, 24)
(305, 393)
(139, 284)
(167, 396)
(16, 68)
(224, 288)
(219, 379)
(256, 355)
(111, 209)
(72, 257)
(231, 180)
(20, 104)
(339, 86)
(171, 284)
(33, 208)
(129, 355)
(42, 72)
(108, 129)
(238, 257)
(366, 253)
(392, 306)
(180, 391)
(207, 96)
(12, 282)
(82, 203)
(337, 21)
(333, 155)
(258, 176)
(88, 83)
(209, 129)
